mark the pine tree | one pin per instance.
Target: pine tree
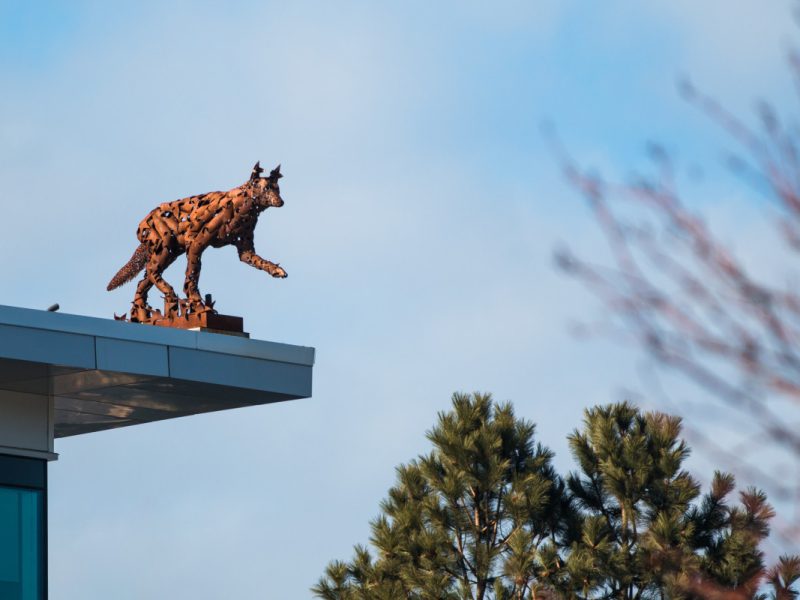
(484, 516)
(478, 517)
(647, 533)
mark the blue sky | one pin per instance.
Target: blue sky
(422, 208)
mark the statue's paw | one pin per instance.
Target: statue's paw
(279, 272)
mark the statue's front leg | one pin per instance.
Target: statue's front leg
(193, 265)
(262, 264)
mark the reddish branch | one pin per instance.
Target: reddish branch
(692, 305)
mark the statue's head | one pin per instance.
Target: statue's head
(267, 192)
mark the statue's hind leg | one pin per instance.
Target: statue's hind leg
(157, 264)
(141, 311)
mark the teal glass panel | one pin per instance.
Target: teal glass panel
(20, 544)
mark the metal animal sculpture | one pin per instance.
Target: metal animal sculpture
(190, 226)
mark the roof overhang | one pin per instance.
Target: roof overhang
(103, 374)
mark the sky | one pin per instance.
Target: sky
(422, 208)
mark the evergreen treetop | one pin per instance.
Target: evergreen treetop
(484, 516)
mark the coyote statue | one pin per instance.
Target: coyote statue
(190, 226)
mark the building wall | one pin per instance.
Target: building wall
(26, 424)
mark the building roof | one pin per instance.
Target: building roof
(104, 374)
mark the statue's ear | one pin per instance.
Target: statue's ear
(275, 174)
(257, 171)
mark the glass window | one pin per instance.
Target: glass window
(20, 544)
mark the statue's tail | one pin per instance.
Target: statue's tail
(131, 268)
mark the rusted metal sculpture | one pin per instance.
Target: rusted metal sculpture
(189, 226)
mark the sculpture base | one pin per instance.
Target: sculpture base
(205, 321)
(179, 315)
